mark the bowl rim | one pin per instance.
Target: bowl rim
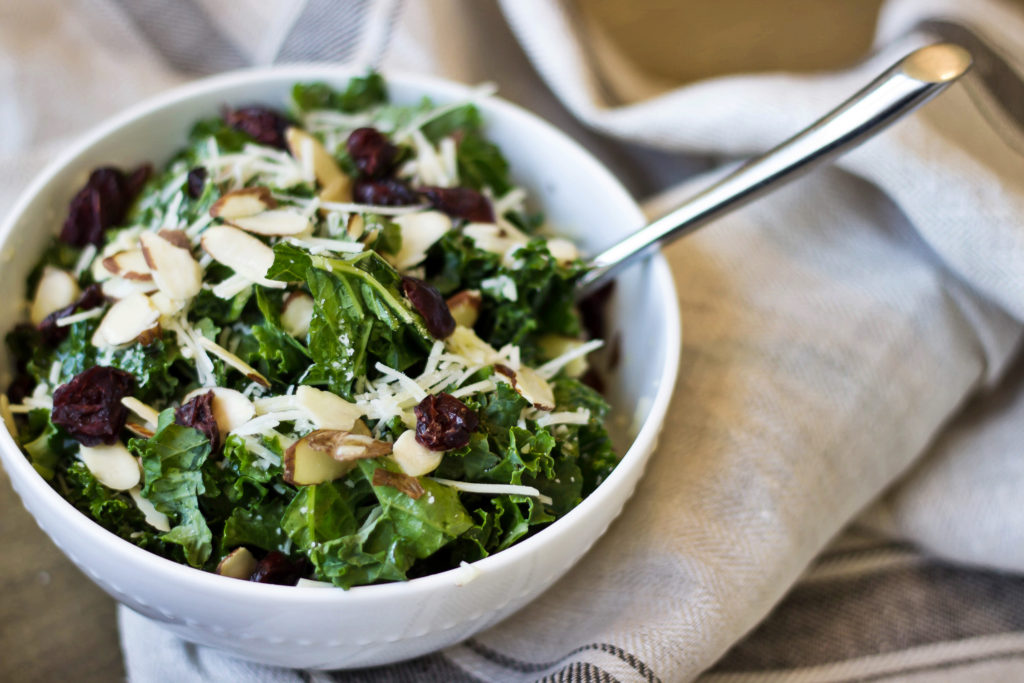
(202, 581)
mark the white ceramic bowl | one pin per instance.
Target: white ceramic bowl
(332, 628)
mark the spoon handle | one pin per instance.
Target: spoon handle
(906, 85)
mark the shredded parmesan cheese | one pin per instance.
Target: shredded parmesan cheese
(414, 389)
(33, 402)
(313, 243)
(69, 320)
(268, 458)
(187, 339)
(578, 417)
(268, 421)
(551, 368)
(480, 387)
(495, 489)
(84, 259)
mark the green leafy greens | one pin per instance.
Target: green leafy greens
(359, 339)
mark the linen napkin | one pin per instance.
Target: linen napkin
(831, 331)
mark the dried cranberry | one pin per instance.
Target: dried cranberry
(277, 569)
(387, 192)
(20, 387)
(136, 180)
(265, 126)
(197, 413)
(196, 182)
(429, 303)
(443, 422)
(89, 406)
(371, 151)
(91, 297)
(460, 202)
(100, 204)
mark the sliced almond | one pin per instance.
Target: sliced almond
(149, 336)
(338, 191)
(305, 466)
(509, 373)
(57, 289)
(247, 201)
(327, 410)
(356, 226)
(465, 307)
(275, 222)
(494, 238)
(231, 409)
(465, 342)
(119, 288)
(419, 231)
(126, 321)
(344, 446)
(297, 314)
(414, 458)
(166, 305)
(233, 361)
(241, 252)
(532, 387)
(563, 250)
(238, 564)
(154, 517)
(178, 238)
(113, 466)
(99, 272)
(327, 454)
(131, 265)
(139, 430)
(410, 486)
(146, 412)
(175, 271)
(336, 184)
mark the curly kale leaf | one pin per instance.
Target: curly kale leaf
(172, 462)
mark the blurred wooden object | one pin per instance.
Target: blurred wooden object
(680, 41)
(55, 624)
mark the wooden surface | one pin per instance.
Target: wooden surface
(55, 624)
(687, 40)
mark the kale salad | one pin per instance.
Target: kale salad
(326, 342)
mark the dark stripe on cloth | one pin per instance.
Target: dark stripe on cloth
(941, 666)
(533, 667)
(580, 672)
(433, 668)
(827, 621)
(184, 35)
(325, 31)
(865, 551)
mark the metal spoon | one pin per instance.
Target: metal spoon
(904, 87)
